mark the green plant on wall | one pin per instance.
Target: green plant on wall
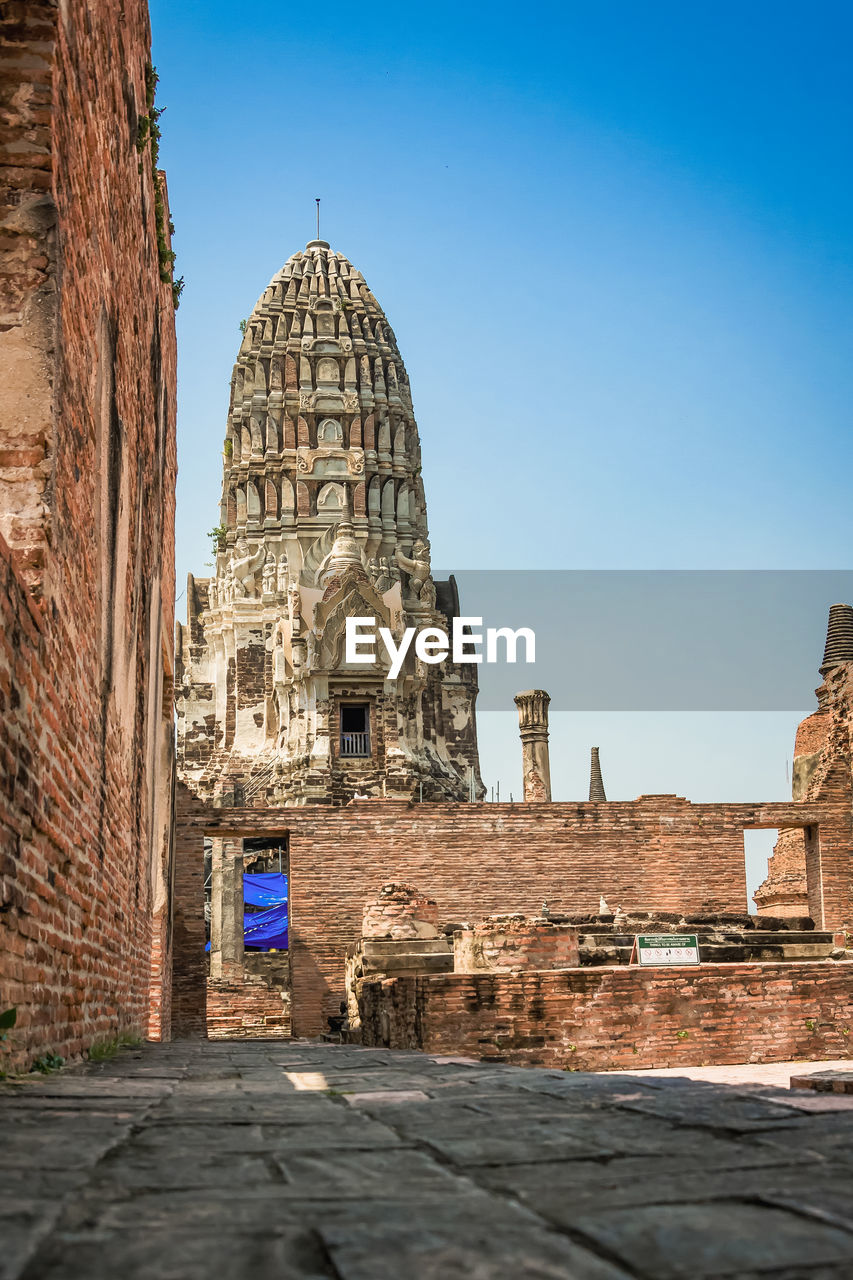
(48, 1062)
(217, 537)
(148, 134)
(103, 1050)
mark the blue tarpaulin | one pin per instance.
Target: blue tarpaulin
(265, 930)
(266, 890)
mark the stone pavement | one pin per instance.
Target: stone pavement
(296, 1159)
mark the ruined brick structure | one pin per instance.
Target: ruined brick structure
(821, 769)
(323, 517)
(619, 1018)
(654, 853)
(512, 944)
(87, 474)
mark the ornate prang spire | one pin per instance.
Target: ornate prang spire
(596, 784)
(533, 727)
(323, 517)
(839, 637)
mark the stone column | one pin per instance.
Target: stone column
(232, 909)
(216, 908)
(533, 726)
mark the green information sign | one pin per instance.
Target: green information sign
(666, 948)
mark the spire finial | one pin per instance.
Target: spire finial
(839, 637)
(596, 784)
(317, 200)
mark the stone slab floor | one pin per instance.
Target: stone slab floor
(294, 1159)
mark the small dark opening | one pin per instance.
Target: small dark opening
(355, 729)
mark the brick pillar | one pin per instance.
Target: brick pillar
(533, 727)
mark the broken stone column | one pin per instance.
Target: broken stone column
(533, 727)
(226, 909)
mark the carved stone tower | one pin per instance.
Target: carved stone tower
(323, 517)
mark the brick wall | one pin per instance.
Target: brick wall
(801, 877)
(504, 944)
(655, 853)
(87, 471)
(248, 1010)
(622, 1017)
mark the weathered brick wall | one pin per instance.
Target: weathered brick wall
(655, 853)
(823, 757)
(504, 944)
(249, 1010)
(87, 472)
(622, 1017)
(400, 911)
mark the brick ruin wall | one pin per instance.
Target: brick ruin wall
(620, 1018)
(514, 943)
(821, 770)
(247, 1010)
(87, 474)
(656, 853)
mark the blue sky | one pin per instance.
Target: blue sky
(614, 242)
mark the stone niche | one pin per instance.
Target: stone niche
(400, 912)
(513, 944)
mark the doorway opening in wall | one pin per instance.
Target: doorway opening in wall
(355, 729)
(758, 848)
(248, 902)
(265, 895)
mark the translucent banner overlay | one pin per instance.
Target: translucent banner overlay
(658, 640)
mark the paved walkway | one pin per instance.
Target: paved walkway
(267, 1161)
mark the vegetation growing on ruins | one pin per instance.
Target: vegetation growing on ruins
(217, 537)
(103, 1050)
(148, 134)
(48, 1062)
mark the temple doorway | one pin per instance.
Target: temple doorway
(248, 971)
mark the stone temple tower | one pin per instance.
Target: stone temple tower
(323, 516)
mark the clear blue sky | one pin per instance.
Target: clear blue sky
(614, 242)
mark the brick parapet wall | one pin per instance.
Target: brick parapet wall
(655, 853)
(622, 1017)
(87, 472)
